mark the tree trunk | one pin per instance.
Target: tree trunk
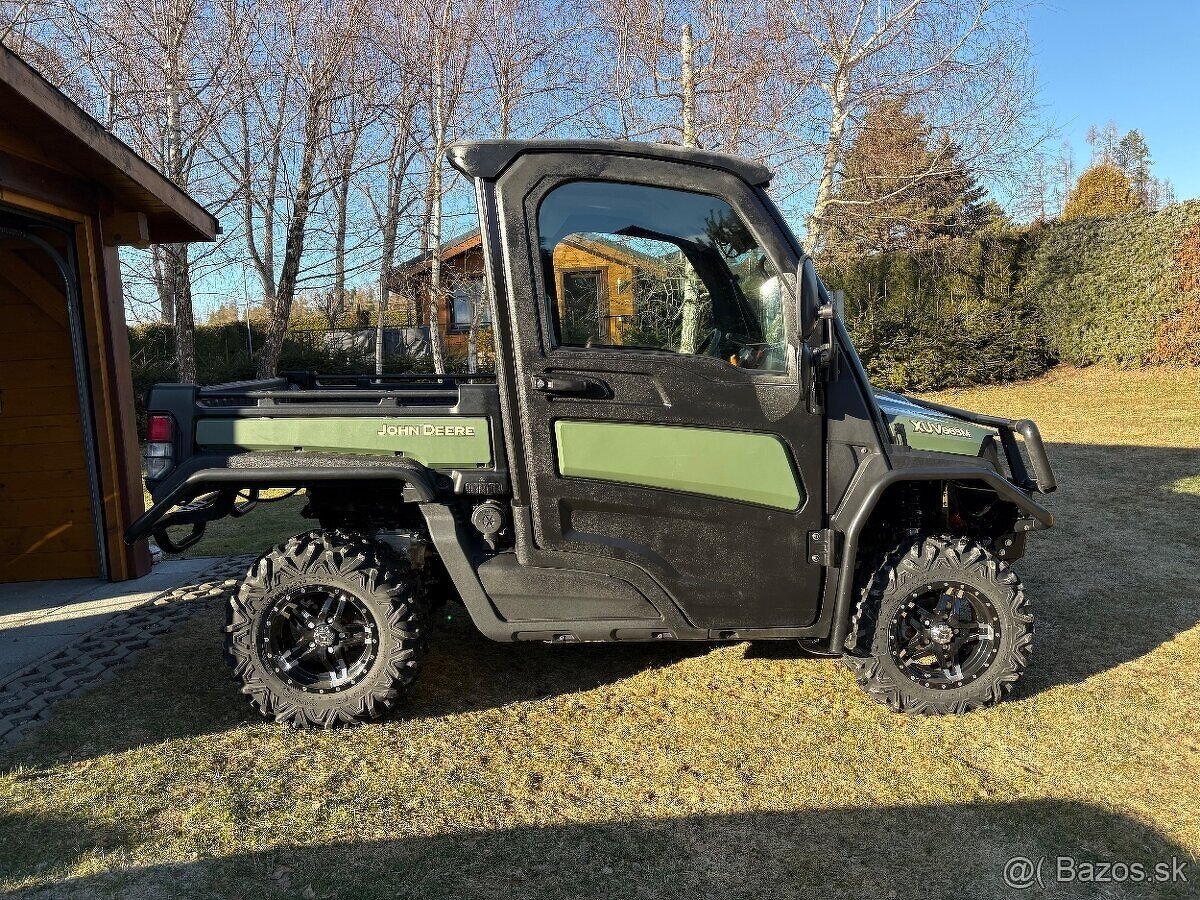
(293, 250)
(338, 301)
(381, 305)
(177, 262)
(687, 86)
(691, 312)
(473, 344)
(391, 215)
(345, 175)
(505, 100)
(829, 165)
(687, 90)
(437, 351)
(397, 162)
(162, 284)
(179, 266)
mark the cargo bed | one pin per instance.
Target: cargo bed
(427, 434)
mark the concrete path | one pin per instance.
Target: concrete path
(39, 618)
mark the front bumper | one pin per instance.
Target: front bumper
(1038, 476)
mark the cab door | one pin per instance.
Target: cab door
(652, 364)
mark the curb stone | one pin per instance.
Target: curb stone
(26, 698)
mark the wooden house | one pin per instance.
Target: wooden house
(71, 193)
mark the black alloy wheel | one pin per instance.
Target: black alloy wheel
(942, 627)
(328, 628)
(945, 635)
(320, 639)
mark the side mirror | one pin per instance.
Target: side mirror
(808, 308)
(816, 308)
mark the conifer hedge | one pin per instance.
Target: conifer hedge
(1121, 290)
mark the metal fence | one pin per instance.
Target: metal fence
(412, 342)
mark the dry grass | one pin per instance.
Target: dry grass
(276, 518)
(531, 771)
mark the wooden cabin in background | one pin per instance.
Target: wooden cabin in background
(595, 281)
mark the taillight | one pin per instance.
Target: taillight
(160, 445)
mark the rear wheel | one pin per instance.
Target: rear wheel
(943, 627)
(328, 628)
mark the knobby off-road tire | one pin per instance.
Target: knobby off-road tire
(327, 629)
(985, 636)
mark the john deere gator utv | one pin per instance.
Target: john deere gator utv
(679, 444)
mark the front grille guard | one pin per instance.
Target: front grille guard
(1042, 478)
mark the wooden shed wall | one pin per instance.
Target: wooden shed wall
(47, 524)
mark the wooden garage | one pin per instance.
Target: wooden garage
(70, 194)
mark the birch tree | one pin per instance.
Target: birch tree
(350, 115)
(529, 74)
(157, 68)
(295, 58)
(962, 64)
(450, 41)
(393, 191)
(698, 73)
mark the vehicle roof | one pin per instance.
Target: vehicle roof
(487, 159)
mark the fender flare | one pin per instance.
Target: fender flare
(856, 511)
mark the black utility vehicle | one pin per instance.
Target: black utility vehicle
(682, 445)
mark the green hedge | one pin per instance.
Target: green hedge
(1013, 302)
(950, 316)
(1004, 306)
(1108, 285)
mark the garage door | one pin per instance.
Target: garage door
(47, 525)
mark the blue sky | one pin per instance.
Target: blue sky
(1135, 63)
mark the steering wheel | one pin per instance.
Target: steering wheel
(711, 345)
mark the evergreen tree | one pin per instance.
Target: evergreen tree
(1131, 154)
(1133, 157)
(901, 188)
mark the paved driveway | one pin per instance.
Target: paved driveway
(58, 638)
(39, 618)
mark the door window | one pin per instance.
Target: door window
(653, 268)
(582, 299)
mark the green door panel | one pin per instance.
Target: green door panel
(736, 465)
(436, 441)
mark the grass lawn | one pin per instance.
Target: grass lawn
(270, 523)
(666, 771)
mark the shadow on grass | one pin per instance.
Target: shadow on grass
(952, 850)
(1116, 577)
(183, 689)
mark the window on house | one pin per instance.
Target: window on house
(630, 265)
(465, 300)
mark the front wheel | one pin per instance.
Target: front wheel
(943, 626)
(327, 629)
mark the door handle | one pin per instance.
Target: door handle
(561, 384)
